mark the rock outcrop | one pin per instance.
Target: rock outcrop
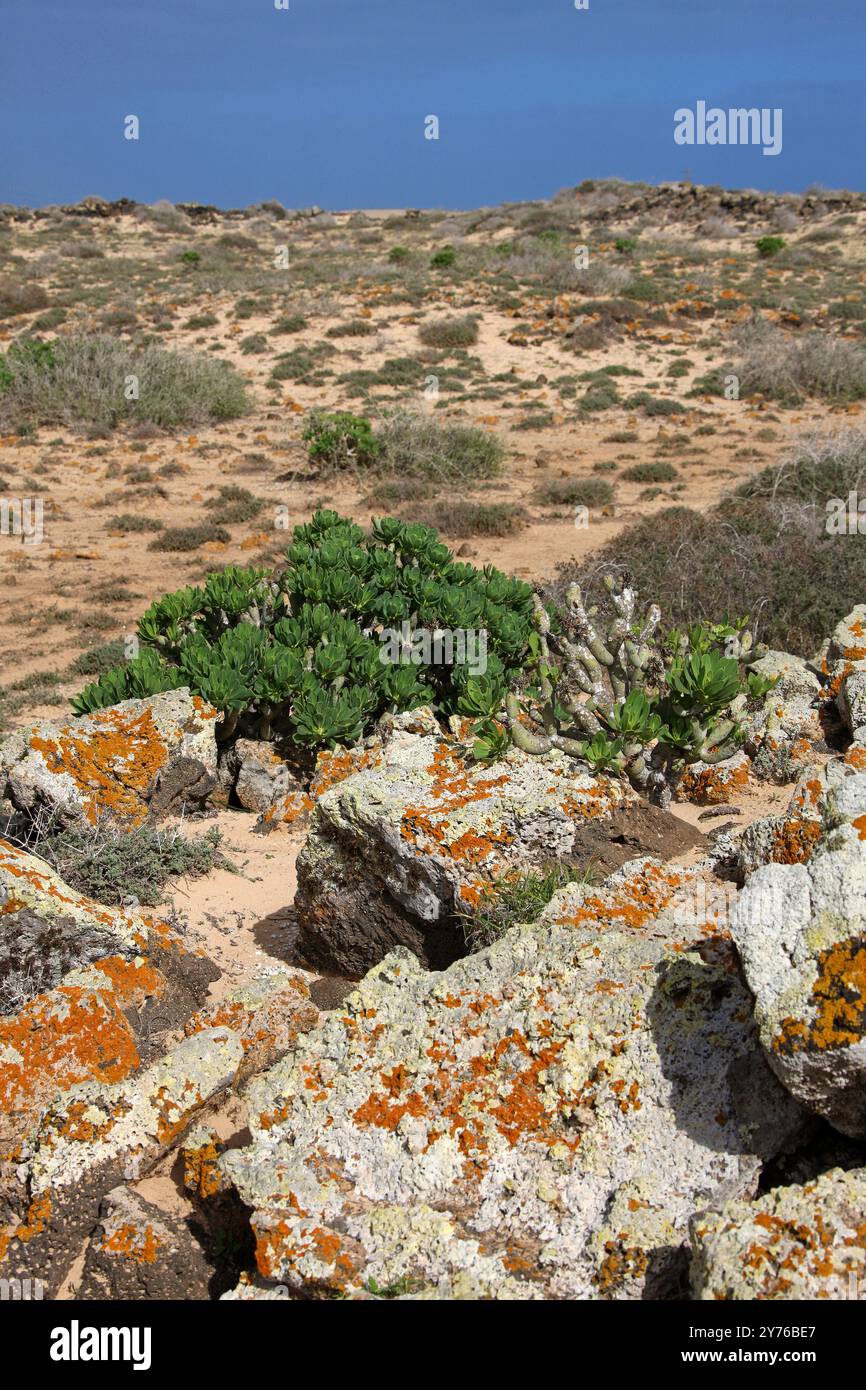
(800, 929)
(397, 853)
(121, 764)
(540, 1120)
(798, 1242)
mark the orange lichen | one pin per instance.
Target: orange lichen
(114, 763)
(838, 1000)
(132, 1244)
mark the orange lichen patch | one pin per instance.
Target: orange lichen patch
(838, 1000)
(794, 841)
(34, 1223)
(132, 1244)
(856, 757)
(797, 1247)
(132, 982)
(174, 1114)
(713, 785)
(16, 862)
(58, 1039)
(114, 763)
(201, 1172)
(269, 1118)
(334, 767)
(859, 825)
(832, 688)
(475, 893)
(622, 1265)
(635, 902)
(281, 1245)
(288, 810)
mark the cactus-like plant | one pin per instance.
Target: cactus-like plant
(622, 701)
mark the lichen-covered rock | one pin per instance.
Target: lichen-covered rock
(139, 1251)
(801, 932)
(268, 1014)
(798, 1242)
(98, 1134)
(791, 838)
(710, 784)
(787, 729)
(398, 851)
(121, 764)
(851, 702)
(537, 1121)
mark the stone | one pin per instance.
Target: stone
(537, 1121)
(399, 851)
(797, 1242)
(138, 1251)
(98, 1134)
(800, 929)
(121, 764)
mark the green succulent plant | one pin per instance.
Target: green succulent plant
(297, 654)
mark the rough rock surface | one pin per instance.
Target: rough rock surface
(801, 932)
(398, 851)
(539, 1120)
(138, 1252)
(99, 1134)
(799, 1242)
(121, 764)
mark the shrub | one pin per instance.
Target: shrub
(464, 518)
(110, 864)
(625, 244)
(352, 328)
(654, 405)
(340, 441)
(234, 505)
(179, 538)
(450, 332)
(202, 321)
(17, 298)
(650, 473)
(81, 381)
(398, 254)
(789, 369)
(291, 323)
(445, 256)
(418, 445)
(764, 552)
(190, 257)
(574, 492)
(770, 245)
(295, 654)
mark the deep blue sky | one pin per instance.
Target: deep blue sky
(325, 102)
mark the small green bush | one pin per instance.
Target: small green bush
(650, 473)
(340, 441)
(444, 257)
(450, 332)
(770, 245)
(420, 446)
(398, 254)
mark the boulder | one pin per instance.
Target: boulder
(138, 1251)
(398, 852)
(537, 1121)
(800, 929)
(798, 1242)
(96, 1135)
(122, 764)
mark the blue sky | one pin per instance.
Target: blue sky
(325, 102)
